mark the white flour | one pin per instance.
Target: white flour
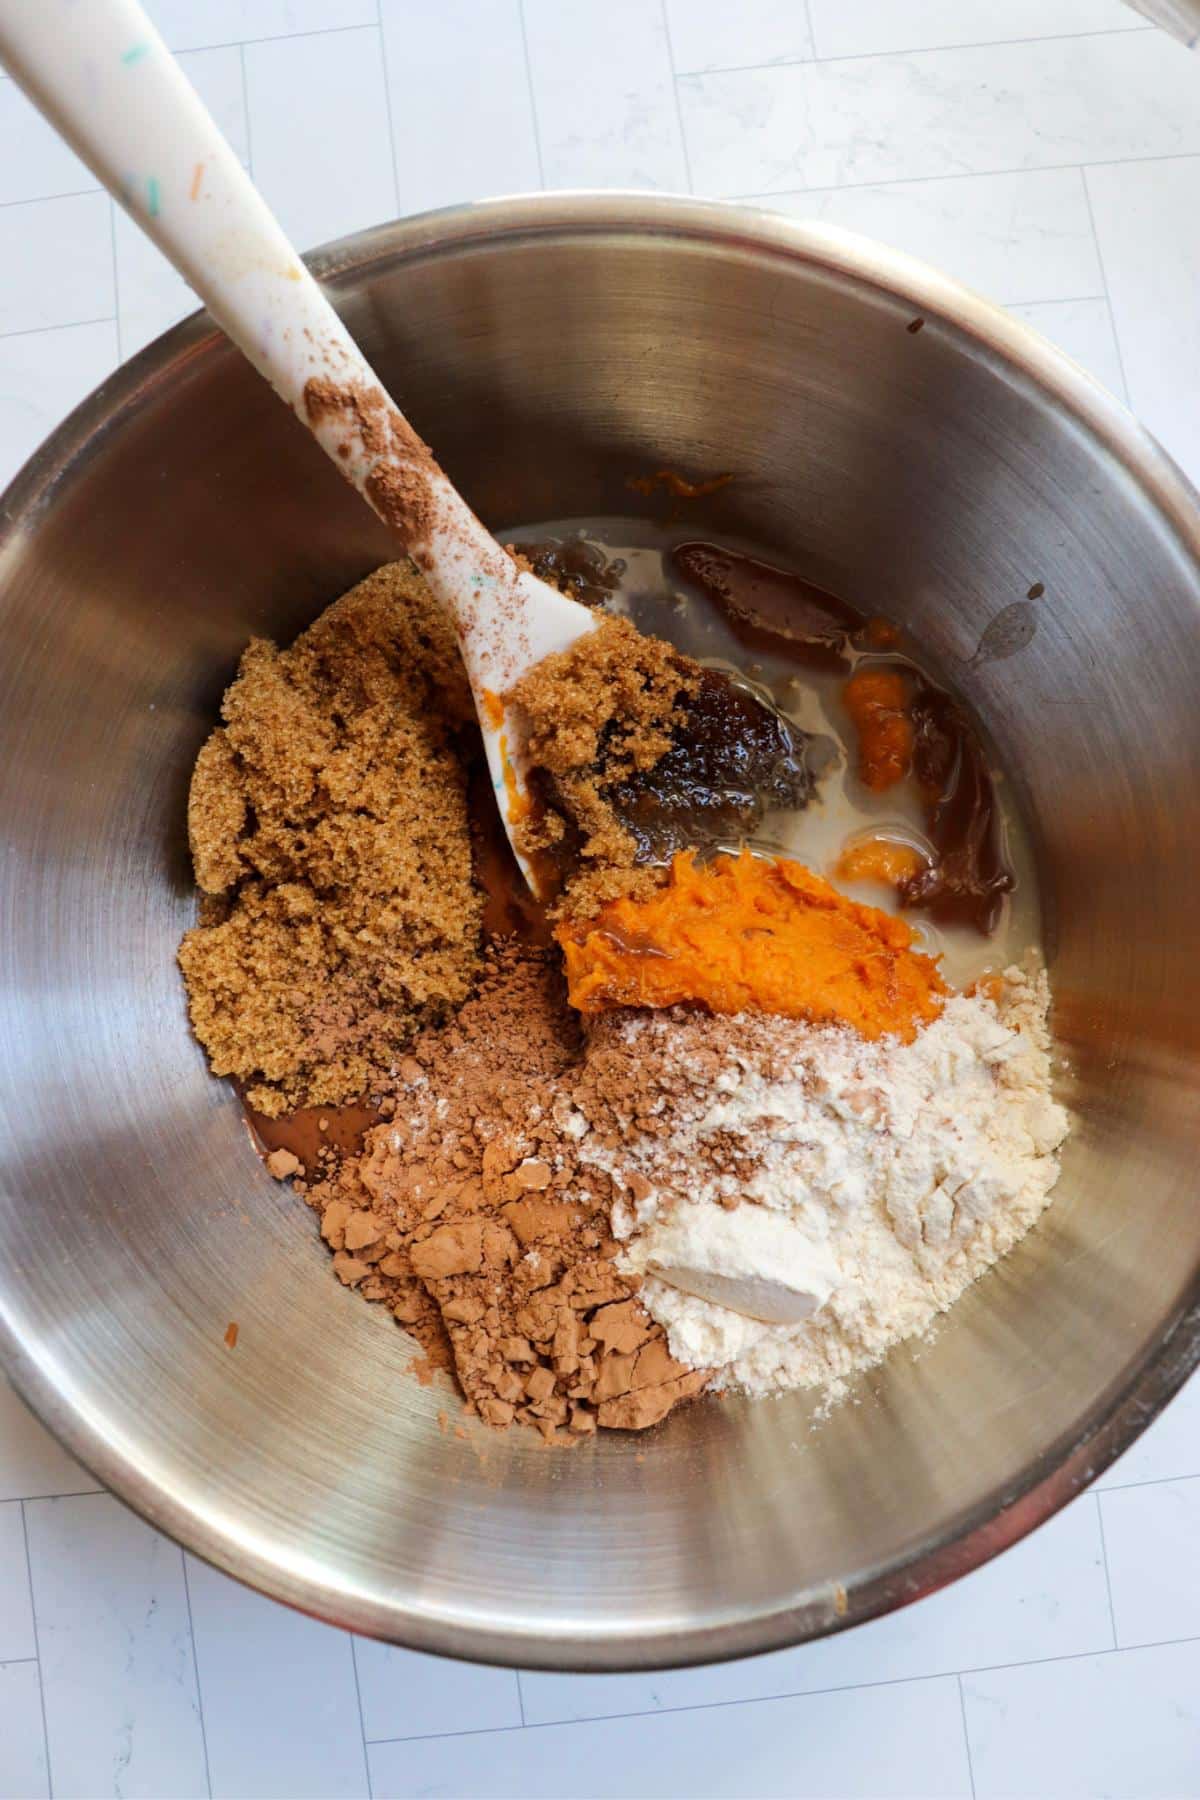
(908, 1168)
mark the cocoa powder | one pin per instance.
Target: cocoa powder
(401, 484)
(471, 1207)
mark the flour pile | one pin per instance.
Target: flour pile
(898, 1172)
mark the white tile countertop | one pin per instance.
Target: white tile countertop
(1048, 153)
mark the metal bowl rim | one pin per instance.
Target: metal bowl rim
(1052, 1479)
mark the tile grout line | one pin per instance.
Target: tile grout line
(844, 1687)
(112, 232)
(75, 1493)
(187, 1595)
(757, 195)
(37, 1645)
(1062, 300)
(362, 1723)
(16, 1662)
(802, 62)
(45, 199)
(1112, 1611)
(520, 1696)
(246, 109)
(1112, 318)
(845, 187)
(387, 105)
(962, 1707)
(286, 37)
(1123, 1487)
(812, 35)
(683, 143)
(533, 110)
(42, 331)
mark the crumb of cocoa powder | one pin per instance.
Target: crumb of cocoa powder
(400, 486)
(329, 831)
(359, 408)
(367, 411)
(401, 495)
(472, 1202)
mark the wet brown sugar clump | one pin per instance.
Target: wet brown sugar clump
(636, 751)
(328, 825)
(601, 712)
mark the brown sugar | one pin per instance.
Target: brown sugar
(636, 752)
(471, 1206)
(615, 696)
(328, 822)
(600, 711)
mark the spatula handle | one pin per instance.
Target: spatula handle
(108, 84)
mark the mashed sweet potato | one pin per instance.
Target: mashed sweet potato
(743, 934)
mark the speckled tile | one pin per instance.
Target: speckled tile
(118, 1676)
(603, 94)
(903, 1740)
(1120, 1727)
(1000, 107)
(24, 1774)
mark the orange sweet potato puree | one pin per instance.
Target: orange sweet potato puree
(741, 934)
(879, 859)
(877, 701)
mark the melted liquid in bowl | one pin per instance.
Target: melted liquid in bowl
(794, 647)
(791, 647)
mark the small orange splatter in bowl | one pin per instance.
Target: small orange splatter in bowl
(878, 702)
(887, 861)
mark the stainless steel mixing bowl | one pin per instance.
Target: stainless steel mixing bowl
(549, 347)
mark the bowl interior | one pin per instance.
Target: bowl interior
(548, 351)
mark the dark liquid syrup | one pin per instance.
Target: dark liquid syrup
(768, 607)
(738, 760)
(300, 1131)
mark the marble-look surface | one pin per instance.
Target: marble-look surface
(1046, 152)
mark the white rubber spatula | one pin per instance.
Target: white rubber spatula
(106, 81)
(108, 84)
